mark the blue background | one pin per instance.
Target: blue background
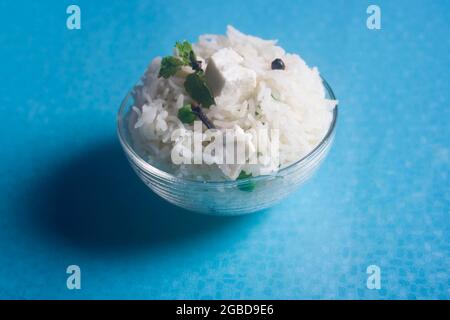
(68, 196)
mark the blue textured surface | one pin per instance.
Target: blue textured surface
(68, 195)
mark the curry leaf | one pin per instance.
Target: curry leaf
(169, 66)
(196, 87)
(249, 186)
(186, 115)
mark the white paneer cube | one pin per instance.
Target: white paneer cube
(227, 78)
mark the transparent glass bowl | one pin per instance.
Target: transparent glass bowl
(224, 197)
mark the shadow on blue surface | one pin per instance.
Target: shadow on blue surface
(96, 202)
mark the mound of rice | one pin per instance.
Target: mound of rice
(291, 100)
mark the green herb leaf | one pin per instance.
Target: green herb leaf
(249, 186)
(185, 51)
(169, 66)
(244, 175)
(186, 115)
(196, 87)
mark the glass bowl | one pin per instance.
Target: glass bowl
(224, 197)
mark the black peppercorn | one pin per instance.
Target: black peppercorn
(278, 64)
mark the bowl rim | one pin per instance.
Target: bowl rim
(170, 177)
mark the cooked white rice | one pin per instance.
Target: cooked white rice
(291, 100)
